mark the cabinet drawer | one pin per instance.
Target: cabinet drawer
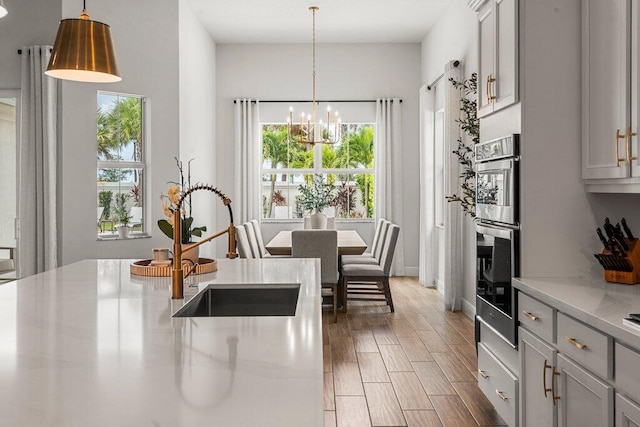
(498, 384)
(536, 317)
(627, 372)
(586, 346)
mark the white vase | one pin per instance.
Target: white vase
(123, 231)
(192, 255)
(318, 221)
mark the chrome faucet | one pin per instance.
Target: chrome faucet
(177, 274)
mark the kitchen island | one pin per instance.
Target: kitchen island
(89, 344)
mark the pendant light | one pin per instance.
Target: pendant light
(83, 51)
(3, 9)
(311, 131)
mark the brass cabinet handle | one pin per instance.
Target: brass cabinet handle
(544, 379)
(490, 96)
(553, 386)
(576, 343)
(501, 395)
(483, 374)
(619, 136)
(628, 136)
(530, 315)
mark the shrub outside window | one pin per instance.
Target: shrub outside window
(348, 166)
(121, 167)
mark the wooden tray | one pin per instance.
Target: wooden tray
(144, 267)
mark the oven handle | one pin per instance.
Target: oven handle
(495, 165)
(503, 233)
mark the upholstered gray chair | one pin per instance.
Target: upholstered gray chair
(259, 239)
(373, 256)
(321, 244)
(371, 279)
(253, 241)
(244, 250)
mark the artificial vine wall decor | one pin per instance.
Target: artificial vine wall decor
(470, 126)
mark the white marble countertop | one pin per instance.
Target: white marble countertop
(595, 302)
(90, 345)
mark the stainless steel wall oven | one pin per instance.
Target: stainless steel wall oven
(497, 234)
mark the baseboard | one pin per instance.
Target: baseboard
(468, 308)
(440, 286)
(411, 271)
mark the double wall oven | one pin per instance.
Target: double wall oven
(497, 234)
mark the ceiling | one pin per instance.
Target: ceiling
(337, 21)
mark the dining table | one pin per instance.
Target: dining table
(349, 243)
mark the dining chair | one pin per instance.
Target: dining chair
(253, 241)
(259, 239)
(371, 279)
(244, 250)
(373, 256)
(321, 244)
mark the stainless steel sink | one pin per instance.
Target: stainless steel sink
(243, 300)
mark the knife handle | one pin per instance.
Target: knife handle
(602, 239)
(627, 230)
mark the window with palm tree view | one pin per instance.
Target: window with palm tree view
(347, 166)
(120, 176)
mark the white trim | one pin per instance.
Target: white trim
(469, 308)
(440, 286)
(476, 4)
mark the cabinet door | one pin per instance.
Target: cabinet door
(606, 81)
(486, 58)
(537, 360)
(627, 412)
(585, 401)
(506, 53)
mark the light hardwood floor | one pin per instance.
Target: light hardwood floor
(416, 367)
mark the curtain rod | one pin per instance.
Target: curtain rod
(20, 51)
(317, 100)
(455, 64)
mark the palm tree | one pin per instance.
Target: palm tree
(357, 152)
(275, 150)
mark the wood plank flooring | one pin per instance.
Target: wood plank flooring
(416, 367)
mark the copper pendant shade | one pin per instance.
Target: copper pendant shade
(83, 52)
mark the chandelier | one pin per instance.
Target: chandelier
(309, 130)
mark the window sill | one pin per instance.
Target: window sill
(110, 237)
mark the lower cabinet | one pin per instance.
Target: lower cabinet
(584, 399)
(498, 384)
(537, 381)
(627, 412)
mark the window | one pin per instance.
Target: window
(348, 166)
(121, 168)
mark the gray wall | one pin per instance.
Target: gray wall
(145, 35)
(344, 71)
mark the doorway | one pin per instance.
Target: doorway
(9, 137)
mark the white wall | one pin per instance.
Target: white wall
(197, 115)
(344, 71)
(145, 35)
(454, 36)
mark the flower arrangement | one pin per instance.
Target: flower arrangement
(316, 196)
(170, 204)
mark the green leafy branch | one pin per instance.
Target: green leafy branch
(470, 125)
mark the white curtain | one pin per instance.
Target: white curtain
(388, 166)
(428, 244)
(37, 242)
(453, 278)
(246, 200)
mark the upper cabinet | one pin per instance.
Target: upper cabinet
(610, 96)
(497, 55)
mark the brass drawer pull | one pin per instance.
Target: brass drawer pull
(530, 315)
(501, 395)
(553, 386)
(576, 343)
(544, 379)
(483, 374)
(619, 136)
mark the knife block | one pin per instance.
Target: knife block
(633, 258)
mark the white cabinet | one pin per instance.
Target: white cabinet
(537, 381)
(497, 55)
(610, 95)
